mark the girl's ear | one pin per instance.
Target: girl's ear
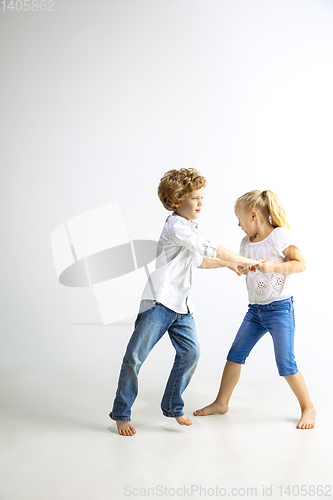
(175, 204)
(254, 215)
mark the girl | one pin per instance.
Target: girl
(263, 219)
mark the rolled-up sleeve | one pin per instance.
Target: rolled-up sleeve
(182, 234)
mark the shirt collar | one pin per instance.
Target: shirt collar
(189, 221)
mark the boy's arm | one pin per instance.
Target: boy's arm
(182, 235)
(295, 264)
(224, 254)
(217, 263)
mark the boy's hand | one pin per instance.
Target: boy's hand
(235, 267)
(242, 269)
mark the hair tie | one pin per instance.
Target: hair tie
(263, 194)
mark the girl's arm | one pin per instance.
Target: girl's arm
(295, 264)
(216, 263)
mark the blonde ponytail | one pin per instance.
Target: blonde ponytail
(267, 203)
(276, 210)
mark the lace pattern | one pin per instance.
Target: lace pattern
(264, 288)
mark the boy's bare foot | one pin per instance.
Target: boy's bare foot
(184, 420)
(126, 428)
(212, 408)
(307, 419)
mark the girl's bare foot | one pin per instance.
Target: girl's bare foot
(212, 408)
(307, 419)
(126, 428)
(184, 420)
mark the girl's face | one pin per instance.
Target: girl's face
(190, 207)
(247, 220)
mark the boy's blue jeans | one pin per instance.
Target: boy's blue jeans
(152, 322)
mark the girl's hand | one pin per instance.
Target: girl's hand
(255, 268)
(264, 266)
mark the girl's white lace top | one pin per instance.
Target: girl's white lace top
(264, 288)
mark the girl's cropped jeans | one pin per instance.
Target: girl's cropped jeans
(278, 319)
(153, 320)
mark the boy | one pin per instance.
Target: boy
(165, 302)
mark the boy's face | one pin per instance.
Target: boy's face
(190, 207)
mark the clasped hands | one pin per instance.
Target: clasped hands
(262, 266)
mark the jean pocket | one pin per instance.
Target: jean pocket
(282, 305)
(147, 304)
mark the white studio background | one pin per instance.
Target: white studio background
(98, 99)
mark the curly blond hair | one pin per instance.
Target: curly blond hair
(176, 185)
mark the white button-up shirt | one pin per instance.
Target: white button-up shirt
(180, 249)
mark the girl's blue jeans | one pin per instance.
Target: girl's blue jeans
(153, 320)
(278, 319)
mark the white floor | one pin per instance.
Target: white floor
(57, 442)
